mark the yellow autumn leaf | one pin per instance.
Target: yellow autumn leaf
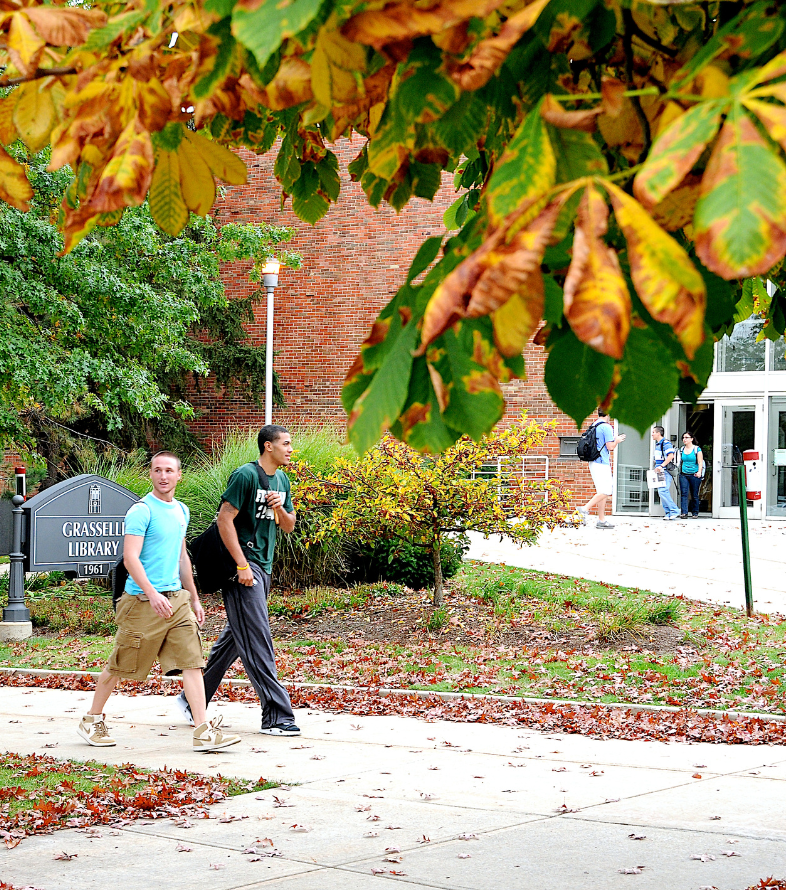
(8, 132)
(24, 44)
(221, 161)
(34, 115)
(167, 206)
(333, 66)
(666, 280)
(14, 187)
(196, 180)
(515, 321)
(125, 179)
(597, 302)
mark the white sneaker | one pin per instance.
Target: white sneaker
(93, 730)
(208, 736)
(584, 513)
(185, 708)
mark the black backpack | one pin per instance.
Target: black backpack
(587, 446)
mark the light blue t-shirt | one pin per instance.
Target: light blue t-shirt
(603, 435)
(163, 526)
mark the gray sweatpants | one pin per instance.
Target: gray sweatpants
(247, 634)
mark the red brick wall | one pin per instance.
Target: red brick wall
(354, 260)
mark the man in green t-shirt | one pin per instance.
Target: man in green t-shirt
(245, 507)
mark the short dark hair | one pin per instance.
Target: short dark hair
(269, 433)
(659, 429)
(602, 413)
(165, 454)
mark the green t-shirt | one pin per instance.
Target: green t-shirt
(245, 495)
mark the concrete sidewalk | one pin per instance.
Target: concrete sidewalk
(485, 797)
(697, 558)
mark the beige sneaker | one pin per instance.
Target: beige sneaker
(208, 736)
(93, 730)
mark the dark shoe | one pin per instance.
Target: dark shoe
(281, 729)
(694, 516)
(683, 515)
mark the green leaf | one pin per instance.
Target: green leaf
(577, 156)
(472, 396)
(421, 425)
(427, 253)
(552, 312)
(287, 165)
(577, 377)
(426, 179)
(265, 27)
(648, 383)
(461, 125)
(381, 402)
(329, 180)
(720, 299)
(525, 171)
(307, 202)
(170, 137)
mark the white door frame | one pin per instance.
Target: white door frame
(760, 445)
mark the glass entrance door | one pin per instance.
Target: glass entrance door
(775, 467)
(736, 430)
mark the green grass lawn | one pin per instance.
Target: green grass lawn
(720, 658)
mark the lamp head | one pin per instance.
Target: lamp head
(270, 272)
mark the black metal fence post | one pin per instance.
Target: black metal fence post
(742, 493)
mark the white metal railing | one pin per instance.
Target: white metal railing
(632, 488)
(509, 470)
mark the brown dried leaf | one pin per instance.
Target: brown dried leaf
(583, 119)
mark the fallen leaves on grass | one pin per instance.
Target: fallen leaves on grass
(107, 795)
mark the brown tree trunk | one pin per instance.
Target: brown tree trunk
(436, 555)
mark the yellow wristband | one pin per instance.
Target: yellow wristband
(242, 568)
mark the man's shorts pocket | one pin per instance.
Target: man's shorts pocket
(125, 656)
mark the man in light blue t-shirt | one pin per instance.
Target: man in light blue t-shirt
(600, 470)
(159, 614)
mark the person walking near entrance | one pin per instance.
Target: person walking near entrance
(665, 457)
(245, 506)
(158, 614)
(600, 470)
(691, 474)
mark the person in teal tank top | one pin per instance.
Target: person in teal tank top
(691, 474)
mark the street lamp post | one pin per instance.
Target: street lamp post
(270, 280)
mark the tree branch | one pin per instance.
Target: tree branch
(38, 74)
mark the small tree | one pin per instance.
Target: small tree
(393, 491)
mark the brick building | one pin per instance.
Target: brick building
(355, 259)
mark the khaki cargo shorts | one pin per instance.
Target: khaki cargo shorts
(144, 636)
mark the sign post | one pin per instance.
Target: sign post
(746, 550)
(16, 624)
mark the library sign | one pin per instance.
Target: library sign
(76, 526)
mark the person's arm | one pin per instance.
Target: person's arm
(612, 443)
(228, 532)
(700, 456)
(132, 547)
(187, 580)
(286, 521)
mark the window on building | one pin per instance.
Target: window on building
(741, 351)
(567, 447)
(777, 357)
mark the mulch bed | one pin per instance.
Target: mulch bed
(596, 721)
(402, 620)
